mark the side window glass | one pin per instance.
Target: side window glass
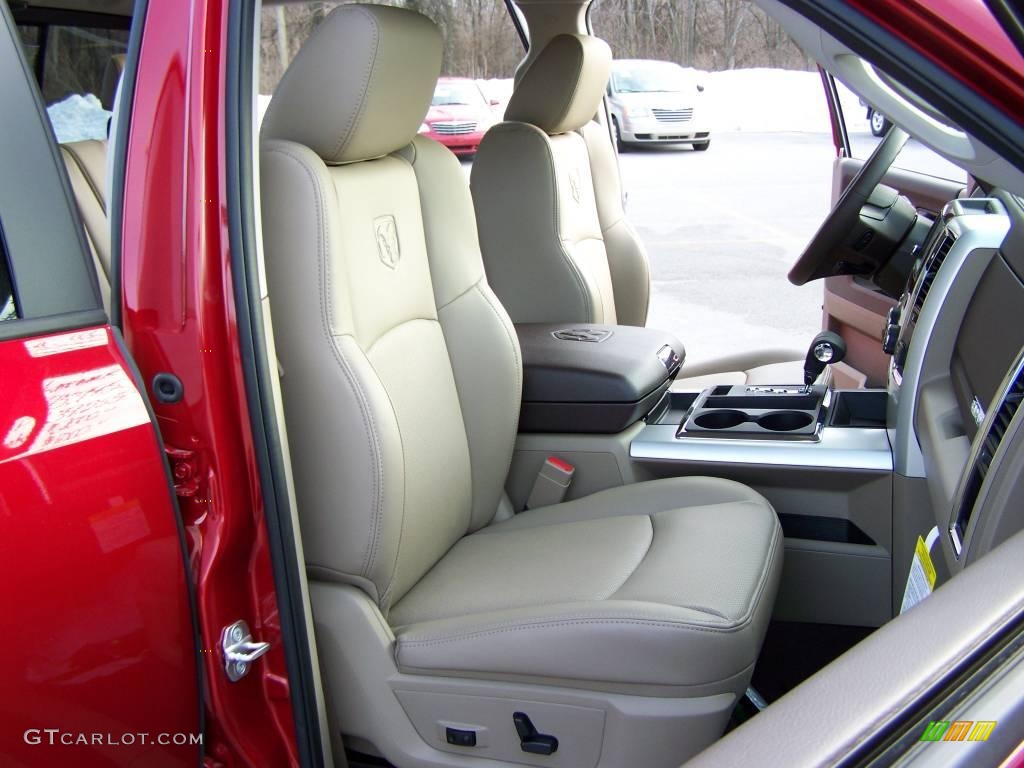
(866, 126)
(725, 153)
(8, 306)
(45, 277)
(81, 69)
(29, 37)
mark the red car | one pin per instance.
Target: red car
(459, 115)
(264, 475)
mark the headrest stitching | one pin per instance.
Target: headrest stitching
(348, 131)
(576, 86)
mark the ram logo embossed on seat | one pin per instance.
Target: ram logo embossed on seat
(575, 184)
(386, 231)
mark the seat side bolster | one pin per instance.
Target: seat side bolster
(516, 197)
(627, 257)
(488, 376)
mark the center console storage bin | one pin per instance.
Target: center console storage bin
(584, 377)
(859, 408)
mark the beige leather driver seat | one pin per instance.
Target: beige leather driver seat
(624, 624)
(555, 240)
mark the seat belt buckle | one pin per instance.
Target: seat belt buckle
(552, 483)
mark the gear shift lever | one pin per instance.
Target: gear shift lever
(827, 348)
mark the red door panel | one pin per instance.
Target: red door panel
(97, 627)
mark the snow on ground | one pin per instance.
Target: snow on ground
(78, 117)
(262, 102)
(500, 90)
(749, 100)
(755, 100)
(770, 100)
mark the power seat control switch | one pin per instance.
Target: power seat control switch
(530, 740)
(460, 738)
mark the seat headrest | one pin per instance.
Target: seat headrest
(360, 86)
(562, 90)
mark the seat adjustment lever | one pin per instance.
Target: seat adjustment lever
(530, 740)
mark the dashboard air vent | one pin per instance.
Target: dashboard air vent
(931, 268)
(987, 442)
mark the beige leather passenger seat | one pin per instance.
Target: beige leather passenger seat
(623, 625)
(555, 240)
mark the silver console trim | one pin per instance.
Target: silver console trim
(838, 448)
(928, 350)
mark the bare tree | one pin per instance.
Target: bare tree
(480, 39)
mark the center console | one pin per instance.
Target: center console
(590, 379)
(600, 399)
(854, 475)
(775, 426)
(593, 379)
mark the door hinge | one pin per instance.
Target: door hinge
(239, 650)
(184, 470)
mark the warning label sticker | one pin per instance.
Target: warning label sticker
(921, 580)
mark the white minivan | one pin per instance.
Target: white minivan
(657, 102)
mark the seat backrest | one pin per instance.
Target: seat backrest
(402, 373)
(86, 163)
(555, 241)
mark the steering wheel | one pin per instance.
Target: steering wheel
(819, 258)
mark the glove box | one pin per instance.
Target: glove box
(584, 377)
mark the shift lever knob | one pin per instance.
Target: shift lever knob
(827, 348)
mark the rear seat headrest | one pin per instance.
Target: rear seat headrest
(360, 86)
(562, 90)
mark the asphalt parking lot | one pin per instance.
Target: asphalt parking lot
(723, 227)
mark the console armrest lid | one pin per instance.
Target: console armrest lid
(590, 363)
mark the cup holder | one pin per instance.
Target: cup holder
(755, 413)
(722, 419)
(785, 421)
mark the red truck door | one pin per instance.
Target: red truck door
(99, 663)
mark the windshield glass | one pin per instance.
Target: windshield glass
(457, 93)
(650, 78)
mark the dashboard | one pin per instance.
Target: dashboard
(956, 338)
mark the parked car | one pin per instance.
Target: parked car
(459, 115)
(657, 102)
(878, 122)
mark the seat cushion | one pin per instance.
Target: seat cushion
(664, 583)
